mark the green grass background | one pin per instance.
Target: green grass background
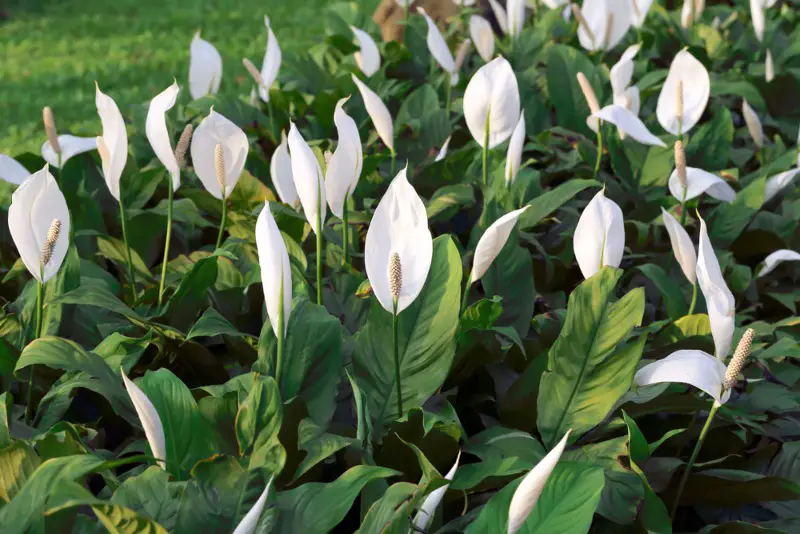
(52, 51)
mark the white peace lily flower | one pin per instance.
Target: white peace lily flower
(482, 35)
(492, 94)
(70, 146)
(443, 151)
(629, 123)
(378, 112)
(691, 76)
(217, 130)
(693, 367)
(682, 246)
(271, 64)
(492, 242)
(276, 271)
(148, 416)
(552, 4)
(753, 124)
(639, 10)
(528, 492)
(599, 237)
(719, 299)
(439, 49)
(431, 502)
(157, 134)
(368, 58)
(113, 144)
(759, 20)
(280, 169)
(308, 179)
(515, 11)
(399, 226)
(591, 100)
(778, 182)
(629, 99)
(205, 68)
(500, 15)
(515, 146)
(344, 167)
(699, 182)
(769, 67)
(607, 22)
(622, 72)
(779, 256)
(35, 206)
(249, 522)
(12, 171)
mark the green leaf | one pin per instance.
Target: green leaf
(188, 436)
(391, 514)
(710, 144)
(6, 405)
(192, 292)
(586, 373)
(729, 220)
(449, 200)
(211, 323)
(151, 494)
(511, 276)
(114, 250)
(121, 520)
(17, 463)
(330, 501)
(318, 445)
(563, 65)
(565, 506)
(258, 423)
(426, 339)
(98, 295)
(312, 359)
(670, 291)
(544, 205)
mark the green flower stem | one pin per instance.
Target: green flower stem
(36, 334)
(599, 150)
(271, 122)
(319, 257)
(166, 241)
(692, 459)
(485, 155)
(345, 236)
(396, 360)
(694, 299)
(131, 273)
(394, 162)
(281, 319)
(58, 174)
(224, 218)
(448, 91)
(465, 295)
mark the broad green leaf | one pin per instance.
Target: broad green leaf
(449, 200)
(114, 250)
(566, 505)
(330, 501)
(669, 289)
(312, 359)
(392, 513)
(586, 372)
(511, 277)
(426, 344)
(6, 407)
(97, 295)
(318, 445)
(17, 463)
(503, 452)
(211, 323)
(188, 436)
(710, 144)
(563, 65)
(728, 221)
(121, 520)
(544, 205)
(257, 424)
(151, 494)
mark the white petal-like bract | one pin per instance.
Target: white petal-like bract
(628, 122)
(151, 422)
(71, 145)
(482, 34)
(114, 139)
(378, 112)
(158, 135)
(368, 58)
(682, 246)
(443, 151)
(249, 522)
(217, 130)
(280, 170)
(689, 74)
(308, 179)
(753, 124)
(492, 242)
(428, 508)
(492, 93)
(271, 64)
(438, 46)
(719, 299)
(599, 238)
(399, 225)
(276, 271)
(776, 183)
(622, 71)
(699, 182)
(515, 146)
(759, 20)
(779, 256)
(693, 367)
(12, 171)
(205, 68)
(608, 22)
(344, 167)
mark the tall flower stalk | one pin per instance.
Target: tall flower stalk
(52, 136)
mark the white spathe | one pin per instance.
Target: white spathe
(217, 130)
(439, 49)
(344, 167)
(148, 416)
(280, 170)
(12, 171)
(399, 225)
(769, 67)
(308, 179)
(492, 242)
(779, 256)
(529, 490)
(628, 122)
(431, 502)
(692, 367)
(682, 246)
(608, 22)
(378, 112)
(719, 299)
(622, 71)
(271, 64)
(515, 146)
(692, 76)
(276, 271)
(158, 135)
(34, 205)
(599, 238)
(500, 15)
(759, 20)
(71, 145)
(205, 68)
(368, 58)
(482, 34)
(492, 94)
(249, 522)
(639, 10)
(753, 124)
(699, 182)
(113, 144)
(776, 183)
(515, 11)
(443, 151)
